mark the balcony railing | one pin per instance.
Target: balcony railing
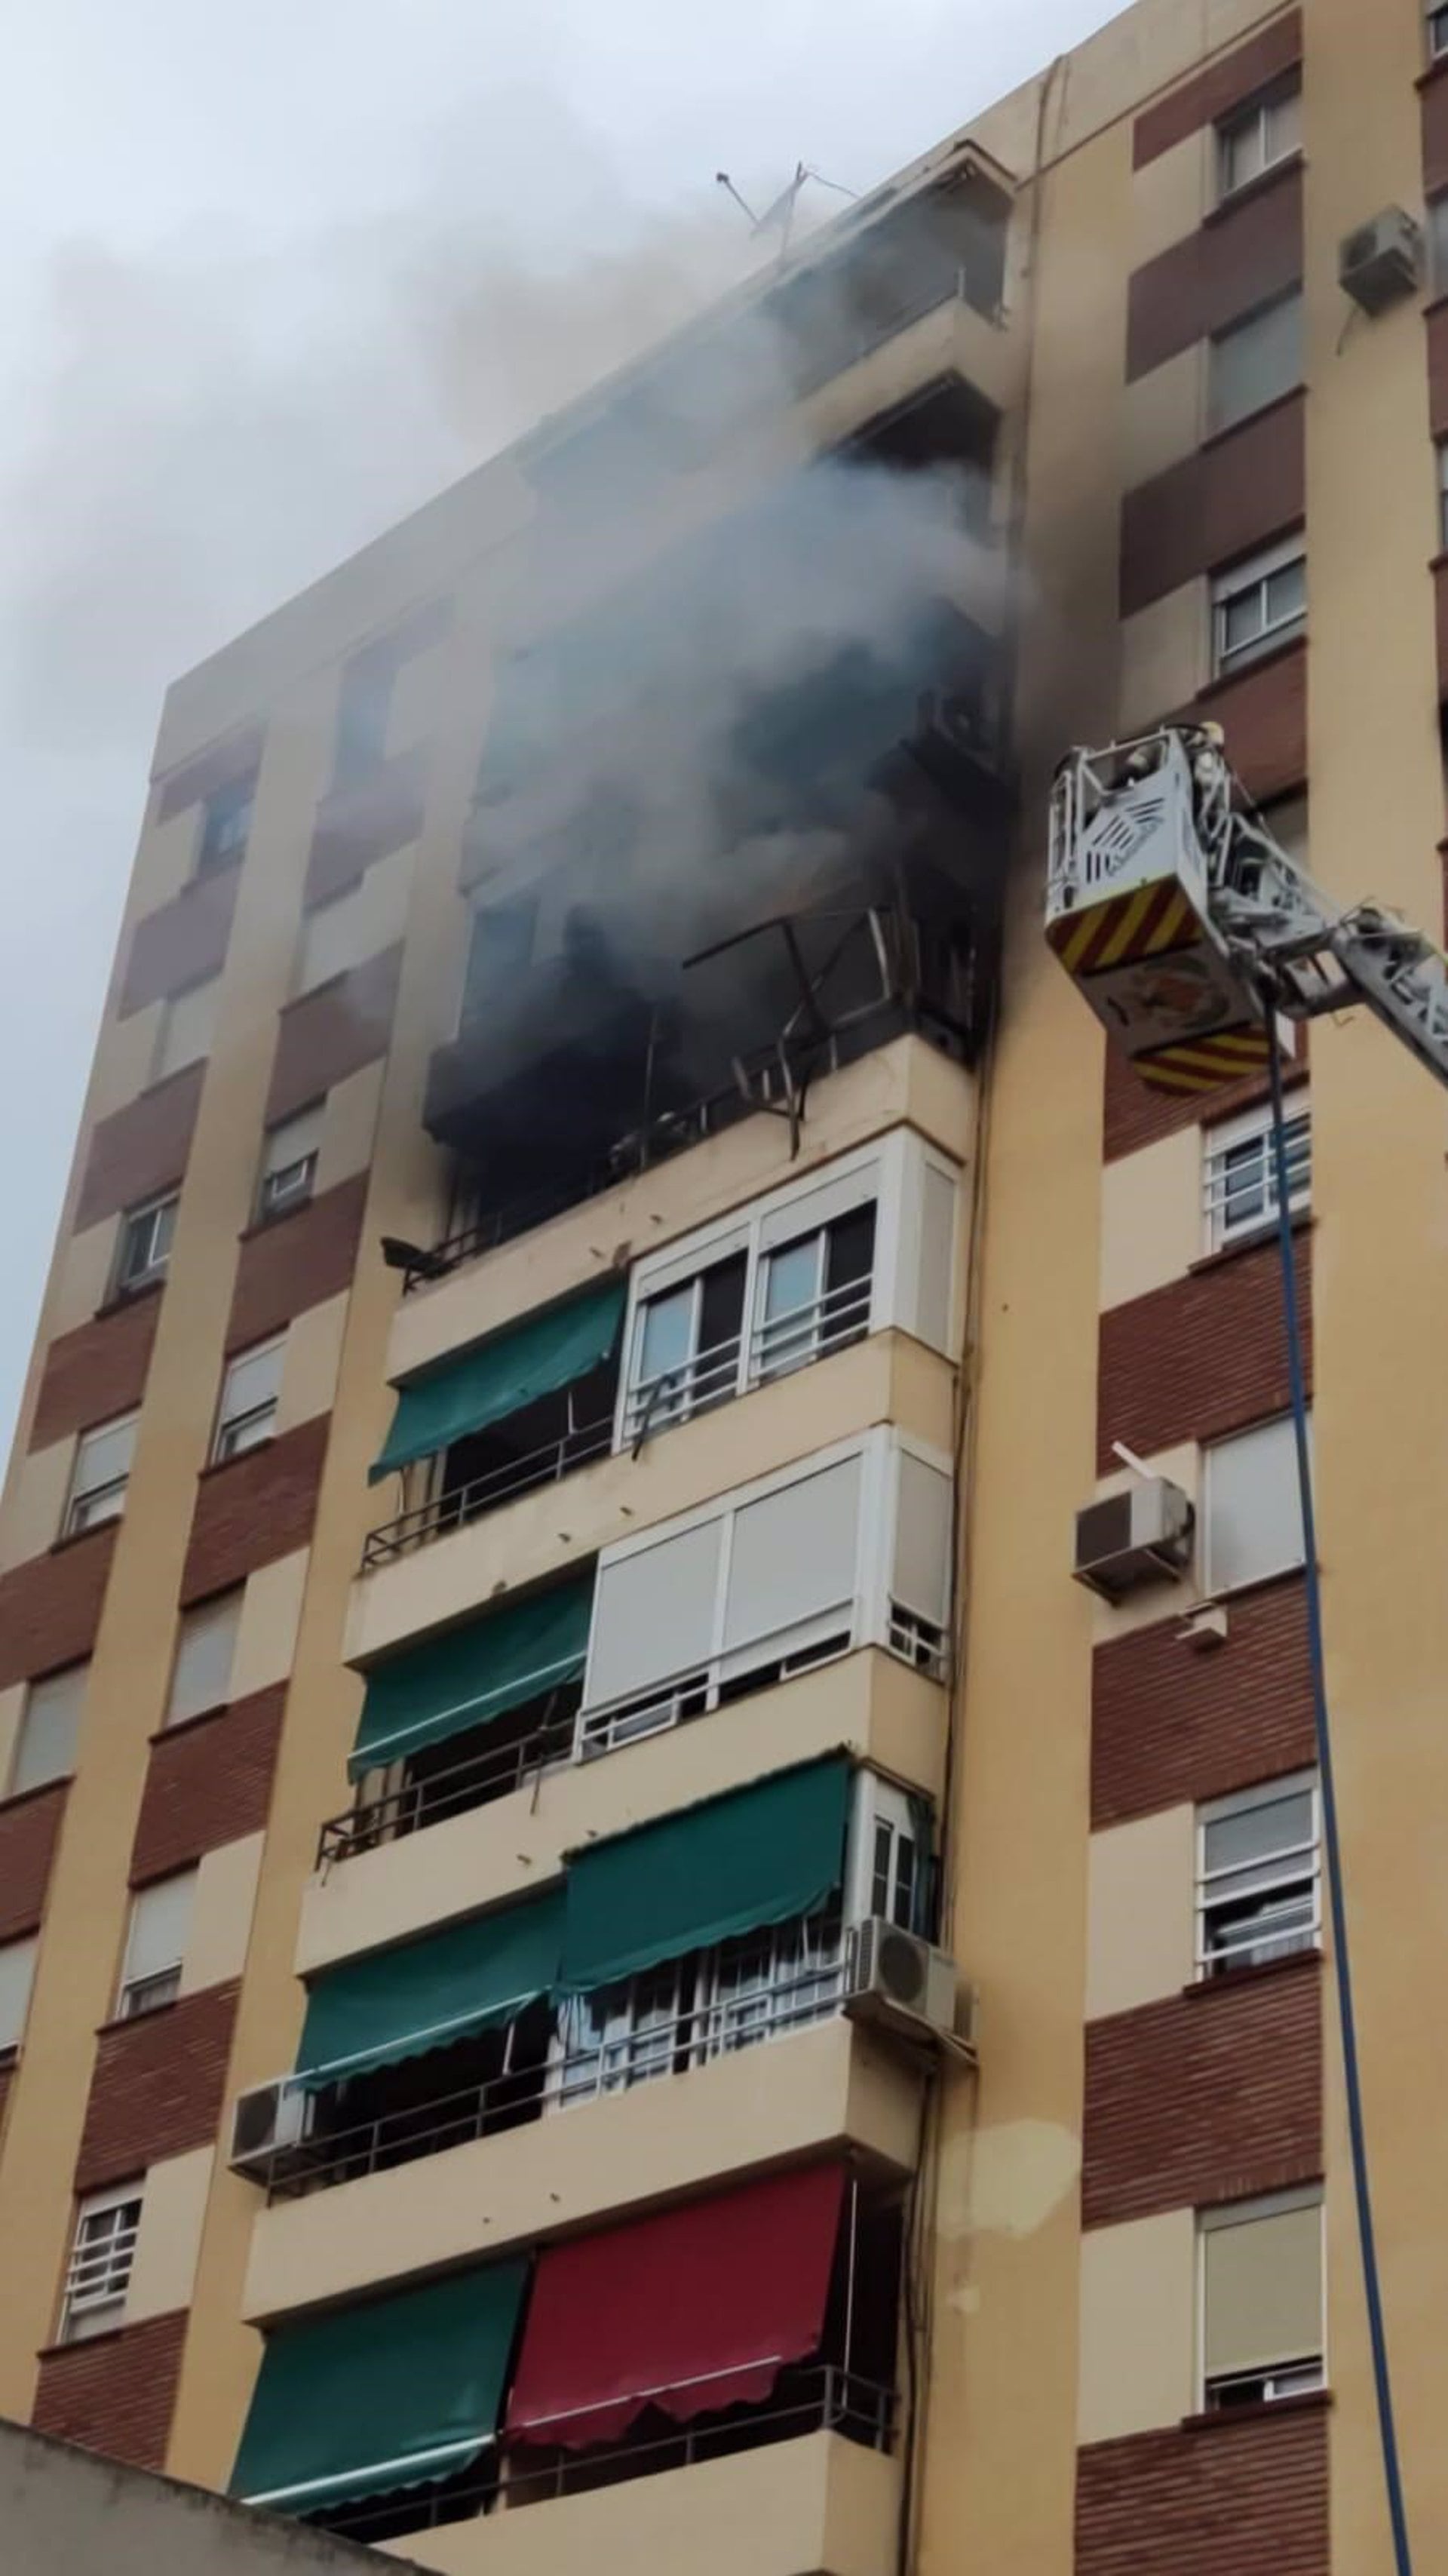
(451, 1511)
(476, 1782)
(824, 2399)
(735, 2014)
(777, 1345)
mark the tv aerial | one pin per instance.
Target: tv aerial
(778, 215)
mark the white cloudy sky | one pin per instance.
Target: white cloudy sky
(268, 277)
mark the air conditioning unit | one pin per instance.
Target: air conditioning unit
(900, 1984)
(266, 2122)
(1134, 1537)
(1381, 260)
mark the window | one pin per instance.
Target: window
(1260, 2299)
(897, 1862)
(1437, 228)
(1437, 32)
(1253, 1511)
(101, 2256)
(1249, 365)
(17, 1970)
(186, 1027)
(225, 823)
(1266, 131)
(1442, 457)
(1259, 605)
(146, 1236)
(814, 1294)
(49, 1727)
(688, 1346)
(249, 1391)
(1240, 1174)
(101, 1474)
(500, 948)
(1258, 1876)
(760, 1985)
(205, 1646)
(289, 1162)
(364, 709)
(156, 1945)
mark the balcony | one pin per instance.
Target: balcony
(748, 2110)
(808, 2501)
(391, 1868)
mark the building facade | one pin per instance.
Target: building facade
(603, 1256)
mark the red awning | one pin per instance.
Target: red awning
(689, 2310)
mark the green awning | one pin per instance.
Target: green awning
(473, 1674)
(498, 1377)
(400, 2392)
(398, 2003)
(733, 1864)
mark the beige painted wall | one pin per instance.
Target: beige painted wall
(790, 2098)
(1151, 1216)
(892, 1717)
(1170, 195)
(266, 1633)
(82, 1276)
(1138, 2326)
(822, 2503)
(1162, 415)
(1140, 1943)
(309, 1367)
(888, 1378)
(349, 1123)
(1164, 657)
(36, 1509)
(168, 2239)
(221, 1916)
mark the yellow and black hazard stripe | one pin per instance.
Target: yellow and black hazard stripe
(1205, 1064)
(1144, 924)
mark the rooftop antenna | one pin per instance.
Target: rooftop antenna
(778, 216)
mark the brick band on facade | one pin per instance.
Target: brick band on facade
(116, 2393)
(157, 2087)
(208, 1784)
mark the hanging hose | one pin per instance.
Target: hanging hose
(1347, 2021)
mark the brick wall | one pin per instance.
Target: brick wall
(1242, 491)
(1216, 274)
(1211, 2095)
(238, 757)
(140, 1150)
(1203, 1356)
(183, 942)
(116, 2393)
(1135, 1115)
(207, 1783)
(359, 825)
(157, 2087)
(1235, 2495)
(29, 1831)
(1263, 712)
(50, 1607)
(333, 1032)
(1172, 1722)
(96, 1371)
(296, 1262)
(1224, 84)
(253, 1509)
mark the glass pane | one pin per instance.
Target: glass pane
(789, 1314)
(721, 1321)
(1244, 1183)
(1241, 620)
(666, 1346)
(1286, 593)
(104, 1456)
(1249, 1834)
(1242, 152)
(252, 1380)
(1284, 124)
(17, 1967)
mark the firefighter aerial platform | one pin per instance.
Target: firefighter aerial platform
(1189, 930)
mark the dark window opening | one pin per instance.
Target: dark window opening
(486, 1762)
(536, 1446)
(225, 823)
(364, 710)
(370, 2123)
(500, 950)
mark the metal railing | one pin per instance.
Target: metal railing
(777, 1345)
(451, 1511)
(824, 2399)
(678, 1696)
(725, 2022)
(475, 1782)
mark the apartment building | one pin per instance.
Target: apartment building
(603, 1258)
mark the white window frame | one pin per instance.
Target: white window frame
(87, 1507)
(1254, 1127)
(127, 1283)
(29, 1943)
(1263, 117)
(146, 1992)
(283, 1186)
(1440, 449)
(1256, 573)
(1299, 1868)
(891, 1175)
(257, 1423)
(98, 2280)
(1294, 2378)
(161, 1070)
(15, 1786)
(1435, 19)
(239, 805)
(870, 1616)
(228, 1605)
(1213, 1589)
